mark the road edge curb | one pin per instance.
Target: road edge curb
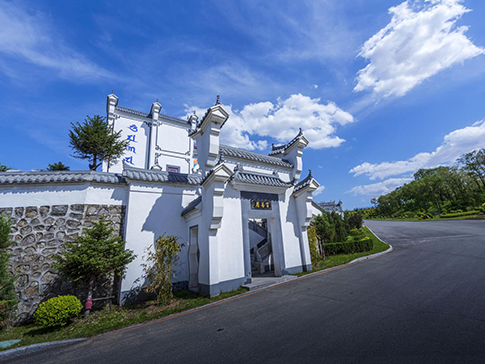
(23, 350)
(390, 249)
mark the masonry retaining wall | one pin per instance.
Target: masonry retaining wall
(39, 232)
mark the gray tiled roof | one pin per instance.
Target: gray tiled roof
(304, 182)
(197, 126)
(278, 149)
(59, 177)
(133, 112)
(162, 117)
(160, 176)
(255, 157)
(259, 179)
(191, 206)
(172, 119)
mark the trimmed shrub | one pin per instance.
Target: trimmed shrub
(363, 245)
(357, 233)
(57, 311)
(445, 216)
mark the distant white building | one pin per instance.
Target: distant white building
(329, 206)
(238, 213)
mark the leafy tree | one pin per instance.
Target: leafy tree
(95, 141)
(340, 230)
(473, 164)
(93, 257)
(3, 168)
(353, 220)
(437, 190)
(325, 228)
(159, 267)
(8, 302)
(59, 166)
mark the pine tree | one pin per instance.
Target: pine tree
(93, 257)
(8, 302)
(95, 141)
(59, 166)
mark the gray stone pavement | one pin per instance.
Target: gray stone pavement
(422, 303)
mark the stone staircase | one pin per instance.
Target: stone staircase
(261, 252)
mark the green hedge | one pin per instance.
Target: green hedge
(364, 245)
(445, 216)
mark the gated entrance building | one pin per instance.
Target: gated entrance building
(237, 213)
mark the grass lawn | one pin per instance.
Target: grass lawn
(334, 260)
(103, 321)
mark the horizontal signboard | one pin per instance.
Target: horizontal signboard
(260, 205)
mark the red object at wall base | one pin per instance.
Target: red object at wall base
(89, 304)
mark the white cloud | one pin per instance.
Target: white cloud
(421, 40)
(318, 191)
(454, 145)
(31, 38)
(380, 188)
(282, 121)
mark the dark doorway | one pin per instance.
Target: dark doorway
(260, 248)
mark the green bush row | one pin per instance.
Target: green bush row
(444, 216)
(349, 247)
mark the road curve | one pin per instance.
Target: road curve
(422, 303)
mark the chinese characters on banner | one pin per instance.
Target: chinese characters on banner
(131, 148)
(260, 205)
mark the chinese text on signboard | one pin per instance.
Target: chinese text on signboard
(260, 205)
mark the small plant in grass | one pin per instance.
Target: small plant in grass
(159, 267)
(94, 256)
(57, 311)
(8, 302)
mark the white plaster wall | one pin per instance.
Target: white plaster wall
(174, 142)
(63, 194)
(203, 144)
(137, 149)
(230, 238)
(151, 211)
(290, 230)
(315, 211)
(204, 224)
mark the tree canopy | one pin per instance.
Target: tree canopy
(59, 166)
(438, 190)
(95, 141)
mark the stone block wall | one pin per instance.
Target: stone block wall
(39, 232)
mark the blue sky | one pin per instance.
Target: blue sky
(381, 88)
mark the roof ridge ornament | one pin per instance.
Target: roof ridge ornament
(218, 100)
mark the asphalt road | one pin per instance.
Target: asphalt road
(421, 303)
